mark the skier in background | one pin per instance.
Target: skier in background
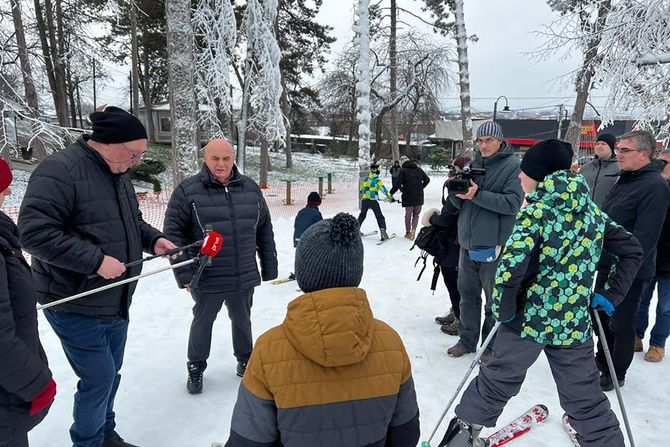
(369, 190)
(542, 296)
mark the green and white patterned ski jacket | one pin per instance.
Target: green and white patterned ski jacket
(545, 275)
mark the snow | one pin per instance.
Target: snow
(153, 408)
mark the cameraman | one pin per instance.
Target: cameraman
(487, 214)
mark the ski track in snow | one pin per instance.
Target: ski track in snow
(153, 408)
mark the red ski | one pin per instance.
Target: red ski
(570, 431)
(519, 426)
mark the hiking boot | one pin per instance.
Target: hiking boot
(195, 372)
(486, 356)
(446, 319)
(654, 354)
(382, 232)
(114, 440)
(451, 329)
(639, 347)
(241, 368)
(408, 235)
(459, 350)
(607, 384)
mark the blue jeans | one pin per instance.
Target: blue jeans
(94, 347)
(661, 329)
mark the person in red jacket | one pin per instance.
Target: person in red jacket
(26, 387)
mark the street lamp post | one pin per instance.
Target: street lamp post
(495, 107)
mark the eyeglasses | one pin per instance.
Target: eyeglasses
(625, 150)
(133, 156)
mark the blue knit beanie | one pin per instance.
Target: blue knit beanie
(490, 129)
(330, 254)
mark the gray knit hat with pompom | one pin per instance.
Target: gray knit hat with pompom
(330, 254)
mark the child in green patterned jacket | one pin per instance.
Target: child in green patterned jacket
(542, 296)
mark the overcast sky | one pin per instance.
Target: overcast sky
(497, 63)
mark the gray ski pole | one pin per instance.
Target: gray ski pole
(610, 365)
(114, 284)
(478, 355)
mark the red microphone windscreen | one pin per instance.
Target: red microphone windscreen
(211, 244)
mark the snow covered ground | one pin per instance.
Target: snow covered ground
(153, 408)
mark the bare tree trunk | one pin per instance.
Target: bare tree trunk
(47, 41)
(244, 115)
(148, 102)
(27, 73)
(70, 96)
(464, 76)
(265, 157)
(181, 61)
(55, 48)
(5, 149)
(135, 88)
(393, 62)
(286, 108)
(584, 78)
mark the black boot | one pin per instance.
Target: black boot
(462, 434)
(195, 372)
(114, 440)
(241, 368)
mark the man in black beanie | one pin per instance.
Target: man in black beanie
(603, 171)
(329, 359)
(542, 297)
(80, 217)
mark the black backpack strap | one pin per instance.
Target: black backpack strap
(423, 256)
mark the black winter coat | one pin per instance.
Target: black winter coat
(24, 372)
(239, 213)
(306, 217)
(74, 212)
(411, 181)
(447, 220)
(663, 247)
(639, 202)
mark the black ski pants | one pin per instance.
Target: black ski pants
(620, 329)
(205, 310)
(367, 204)
(450, 276)
(575, 375)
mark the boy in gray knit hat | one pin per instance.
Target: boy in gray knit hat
(328, 360)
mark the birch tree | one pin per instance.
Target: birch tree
(182, 95)
(262, 79)
(215, 30)
(441, 10)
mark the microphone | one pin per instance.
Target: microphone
(211, 245)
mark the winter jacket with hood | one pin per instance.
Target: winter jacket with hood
(601, 175)
(639, 202)
(330, 375)
(306, 217)
(24, 372)
(487, 219)
(371, 186)
(411, 181)
(544, 279)
(74, 212)
(239, 213)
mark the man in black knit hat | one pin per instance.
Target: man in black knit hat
(603, 171)
(80, 216)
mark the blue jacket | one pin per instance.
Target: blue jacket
(306, 217)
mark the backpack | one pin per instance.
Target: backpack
(431, 241)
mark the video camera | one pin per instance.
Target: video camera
(459, 181)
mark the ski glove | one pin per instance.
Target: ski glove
(43, 399)
(599, 302)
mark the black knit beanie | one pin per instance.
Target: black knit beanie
(330, 254)
(546, 157)
(609, 139)
(115, 125)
